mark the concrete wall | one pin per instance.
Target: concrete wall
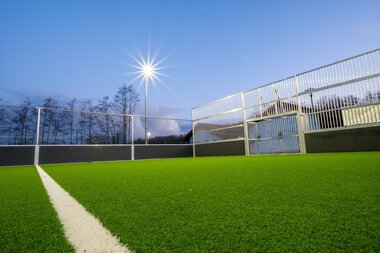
(347, 140)
(220, 148)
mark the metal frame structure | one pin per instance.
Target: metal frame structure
(338, 96)
(341, 95)
(37, 147)
(35, 123)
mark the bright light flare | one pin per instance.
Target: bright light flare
(149, 71)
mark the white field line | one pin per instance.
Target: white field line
(83, 230)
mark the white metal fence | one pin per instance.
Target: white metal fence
(45, 126)
(274, 118)
(270, 119)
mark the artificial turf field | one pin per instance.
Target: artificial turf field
(28, 222)
(318, 202)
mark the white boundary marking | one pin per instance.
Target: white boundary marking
(82, 230)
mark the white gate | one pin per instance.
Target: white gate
(274, 135)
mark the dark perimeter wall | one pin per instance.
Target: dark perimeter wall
(72, 154)
(347, 140)
(162, 151)
(16, 155)
(220, 148)
(24, 155)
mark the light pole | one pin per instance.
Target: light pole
(147, 70)
(146, 111)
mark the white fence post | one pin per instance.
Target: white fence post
(301, 135)
(193, 127)
(260, 102)
(245, 125)
(277, 99)
(133, 143)
(37, 146)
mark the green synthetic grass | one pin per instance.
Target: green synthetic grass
(302, 203)
(28, 222)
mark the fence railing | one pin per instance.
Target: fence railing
(340, 95)
(46, 126)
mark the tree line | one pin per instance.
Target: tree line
(75, 122)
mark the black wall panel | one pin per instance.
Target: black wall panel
(220, 149)
(71, 154)
(162, 151)
(20, 155)
(348, 140)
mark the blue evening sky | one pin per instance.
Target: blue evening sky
(212, 48)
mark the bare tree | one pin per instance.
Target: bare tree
(2, 114)
(87, 121)
(48, 116)
(104, 122)
(125, 102)
(4, 125)
(70, 119)
(22, 122)
(59, 127)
